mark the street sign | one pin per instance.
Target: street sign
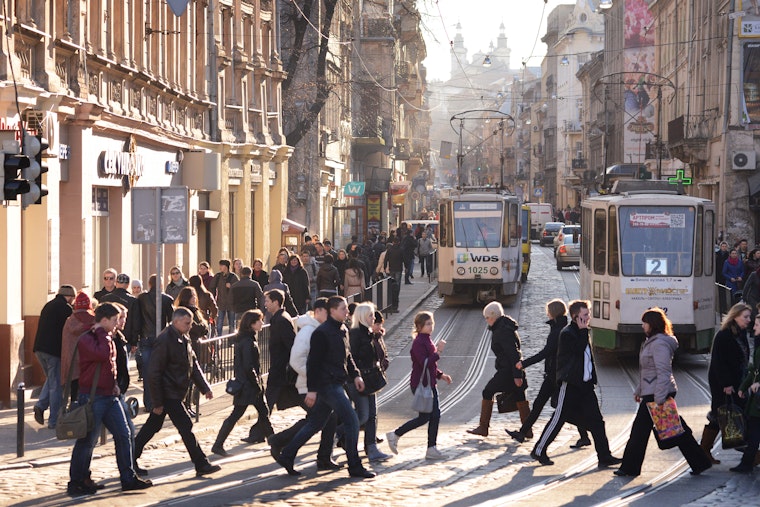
(171, 215)
(538, 191)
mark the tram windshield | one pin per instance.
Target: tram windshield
(477, 225)
(657, 240)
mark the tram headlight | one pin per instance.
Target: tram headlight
(494, 270)
(460, 271)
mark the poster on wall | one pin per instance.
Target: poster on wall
(749, 23)
(751, 83)
(374, 212)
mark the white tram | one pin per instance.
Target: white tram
(480, 249)
(642, 246)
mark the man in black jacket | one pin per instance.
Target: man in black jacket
(148, 335)
(576, 401)
(282, 332)
(246, 293)
(171, 369)
(408, 246)
(121, 295)
(329, 365)
(394, 261)
(47, 348)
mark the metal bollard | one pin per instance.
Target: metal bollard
(20, 403)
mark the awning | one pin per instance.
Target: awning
(754, 184)
(292, 227)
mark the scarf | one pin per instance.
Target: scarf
(734, 261)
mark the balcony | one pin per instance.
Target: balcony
(571, 127)
(579, 163)
(374, 28)
(689, 136)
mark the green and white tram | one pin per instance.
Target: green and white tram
(480, 248)
(642, 246)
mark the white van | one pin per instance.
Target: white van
(540, 214)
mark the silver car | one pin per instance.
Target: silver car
(566, 229)
(569, 252)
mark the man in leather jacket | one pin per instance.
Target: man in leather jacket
(172, 366)
(147, 302)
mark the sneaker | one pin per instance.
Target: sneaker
(434, 453)
(375, 454)
(39, 415)
(76, 488)
(392, 439)
(136, 484)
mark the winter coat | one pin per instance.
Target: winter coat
(77, 323)
(281, 336)
(134, 325)
(363, 350)
(173, 289)
(299, 353)
(172, 366)
(298, 282)
(656, 367)
(328, 278)
(275, 282)
(753, 375)
(207, 305)
(571, 352)
(424, 247)
(729, 360)
(96, 347)
(311, 270)
(505, 344)
(50, 328)
(329, 360)
(408, 246)
(549, 353)
(353, 282)
(720, 259)
(424, 348)
(394, 259)
(246, 295)
(262, 277)
(247, 366)
(221, 290)
(122, 360)
(733, 271)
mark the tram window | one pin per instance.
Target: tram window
(510, 227)
(698, 249)
(657, 240)
(612, 259)
(707, 235)
(477, 231)
(585, 238)
(445, 226)
(600, 241)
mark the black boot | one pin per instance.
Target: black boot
(224, 432)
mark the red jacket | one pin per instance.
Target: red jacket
(96, 347)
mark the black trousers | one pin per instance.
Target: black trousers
(636, 448)
(580, 406)
(177, 412)
(548, 386)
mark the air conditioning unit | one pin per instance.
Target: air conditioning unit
(744, 160)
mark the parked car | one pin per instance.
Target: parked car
(566, 229)
(569, 252)
(549, 232)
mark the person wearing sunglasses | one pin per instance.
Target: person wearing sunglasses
(109, 283)
(177, 283)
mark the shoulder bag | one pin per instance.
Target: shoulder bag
(374, 379)
(423, 395)
(233, 387)
(75, 421)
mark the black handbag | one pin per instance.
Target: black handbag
(374, 380)
(505, 402)
(291, 375)
(234, 386)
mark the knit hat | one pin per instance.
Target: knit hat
(82, 302)
(122, 278)
(67, 290)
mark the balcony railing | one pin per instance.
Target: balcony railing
(579, 163)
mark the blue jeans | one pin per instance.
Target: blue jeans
(366, 412)
(146, 349)
(330, 398)
(50, 395)
(108, 411)
(220, 321)
(432, 419)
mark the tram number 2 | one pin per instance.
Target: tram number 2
(657, 267)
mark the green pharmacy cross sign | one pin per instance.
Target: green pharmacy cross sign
(680, 177)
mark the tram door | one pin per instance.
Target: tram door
(346, 222)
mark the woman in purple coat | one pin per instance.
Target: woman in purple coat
(423, 348)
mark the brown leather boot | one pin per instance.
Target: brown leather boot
(709, 434)
(524, 408)
(486, 408)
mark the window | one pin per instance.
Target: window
(478, 224)
(600, 241)
(613, 260)
(698, 246)
(707, 235)
(657, 240)
(512, 226)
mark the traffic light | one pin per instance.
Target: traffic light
(12, 185)
(34, 146)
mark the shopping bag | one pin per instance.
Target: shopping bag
(423, 395)
(666, 421)
(731, 422)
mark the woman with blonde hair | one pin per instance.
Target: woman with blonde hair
(423, 349)
(729, 360)
(505, 344)
(365, 356)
